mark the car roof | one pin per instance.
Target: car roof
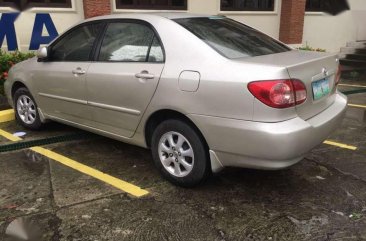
(147, 16)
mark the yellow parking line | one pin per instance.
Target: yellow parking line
(113, 181)
(357, 106)
(7, 115)
(122, 185)
(357, 86)
(9, 136)
(332, 143)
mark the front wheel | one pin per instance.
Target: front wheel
(180, 153)
(26, 111)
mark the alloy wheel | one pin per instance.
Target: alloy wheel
(176, 154)
(26, 109)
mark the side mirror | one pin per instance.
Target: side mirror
(42, 53)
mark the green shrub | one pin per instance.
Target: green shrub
(308, 48)
(7, 60)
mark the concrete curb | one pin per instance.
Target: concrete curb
(7, 115)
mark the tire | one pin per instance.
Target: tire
(186, 164)
(26, 114)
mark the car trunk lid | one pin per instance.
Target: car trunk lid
(318, 75)
(313, 69)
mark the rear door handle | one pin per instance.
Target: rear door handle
(144, 75)
(78, 71)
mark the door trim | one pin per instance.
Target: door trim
(83, 102)
(115, 108)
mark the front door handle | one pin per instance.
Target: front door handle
(78, 71)
(144, 75)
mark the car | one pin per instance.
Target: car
(202, 92)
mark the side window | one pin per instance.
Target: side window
(156, 51)
(77, 44)
(128, 42)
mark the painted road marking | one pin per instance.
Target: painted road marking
(122, 185)
(357, 106)
(9, 136)
(357, 86)
(7, 115)
(113, 181)
(344, 146)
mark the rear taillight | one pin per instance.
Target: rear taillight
(338, 75)
(279, 93)
(300, 91)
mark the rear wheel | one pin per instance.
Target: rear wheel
(26, 111)
(180, 153)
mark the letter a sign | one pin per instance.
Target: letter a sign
(42, 21)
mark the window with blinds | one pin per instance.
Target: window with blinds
(152, 4)
(247, 5)
(36, 3)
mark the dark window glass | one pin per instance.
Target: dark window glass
(36, 3)
(130, 42)
(247, 5)
(315, 5)
(232, 39)
(76, 45)
(6, 3)
(152, 4)
(156, 52)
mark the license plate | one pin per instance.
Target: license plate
(321, 88)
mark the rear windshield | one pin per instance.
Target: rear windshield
(232, 39)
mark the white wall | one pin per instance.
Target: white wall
(268, 22)
(333, 32)
(320, 30)
(62, 18)
(359, 15)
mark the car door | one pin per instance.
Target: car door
(61, 78)
(125, 75)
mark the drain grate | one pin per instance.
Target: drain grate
(46, 141)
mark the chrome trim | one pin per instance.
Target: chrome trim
(83, 102)
(115, 108)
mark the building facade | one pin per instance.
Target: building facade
(27, 24)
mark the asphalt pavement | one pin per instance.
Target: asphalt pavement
(98, 189)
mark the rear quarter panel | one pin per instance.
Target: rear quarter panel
(222, 89)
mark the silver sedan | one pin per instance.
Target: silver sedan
(202, 92)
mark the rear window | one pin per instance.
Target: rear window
(232, 39)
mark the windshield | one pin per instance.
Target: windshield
(232, 39)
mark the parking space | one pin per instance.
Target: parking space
(3, 140)
(81, 190)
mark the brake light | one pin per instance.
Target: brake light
(300, 91)
(338, 75)
(279, 93)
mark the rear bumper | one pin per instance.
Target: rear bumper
(270, 146)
